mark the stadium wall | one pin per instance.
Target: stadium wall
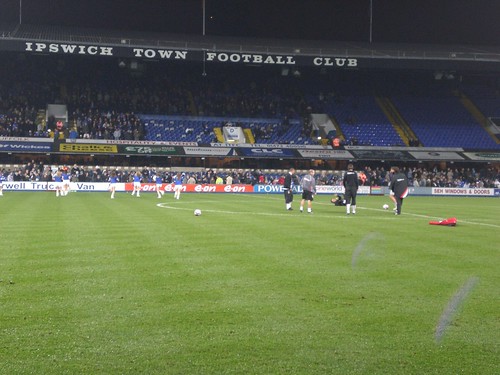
(23, 145)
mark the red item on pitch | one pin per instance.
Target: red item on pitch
(450, 222)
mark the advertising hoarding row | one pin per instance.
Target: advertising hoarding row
(240, 188)
(271, 151)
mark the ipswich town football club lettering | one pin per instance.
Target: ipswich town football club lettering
(173, 54)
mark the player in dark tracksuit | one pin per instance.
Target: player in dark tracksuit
(399, 185)
(290, 179)
(351, 185)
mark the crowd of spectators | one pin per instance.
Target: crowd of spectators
(94, 124)
(103, 100)
(485, 177)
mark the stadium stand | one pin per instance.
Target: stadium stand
(174, 104)
(443, 122)
(201, 129)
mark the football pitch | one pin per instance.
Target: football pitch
(90, 285)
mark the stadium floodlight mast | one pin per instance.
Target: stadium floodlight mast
(20, 12)
(203, 22)
(204, 73)
(371, 20)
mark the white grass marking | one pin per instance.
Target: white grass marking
(362, 246)
(452, 308)
(287, 214)
(433, 217)
(390, 215)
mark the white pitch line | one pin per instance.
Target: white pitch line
(390, 217)
(164, 205)
(434, 217)
(451, 309)
(362, 245)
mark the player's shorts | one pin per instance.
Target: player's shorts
(391, 192)
(137, 185)
(177, 187)
(307, 195)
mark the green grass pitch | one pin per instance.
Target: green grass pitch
(90, 285)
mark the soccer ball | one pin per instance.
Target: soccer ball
(197, 212)
(385, 206)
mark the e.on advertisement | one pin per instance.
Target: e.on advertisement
(195, 188)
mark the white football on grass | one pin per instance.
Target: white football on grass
(197, 212)
(385, 206)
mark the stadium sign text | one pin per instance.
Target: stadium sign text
(337, 61)
(249, 58)
(149, 53)
(77, 49)
(188, 54)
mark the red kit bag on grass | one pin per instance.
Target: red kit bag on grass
(450, 222)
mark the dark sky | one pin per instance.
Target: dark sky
(394, 21)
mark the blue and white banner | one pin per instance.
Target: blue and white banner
(320, 189)
(263, 152)
(7, 146)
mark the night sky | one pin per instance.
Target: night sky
(394, 21)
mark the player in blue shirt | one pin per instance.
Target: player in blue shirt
(113, 179)
(159, 182)
(58, 183)
(177, 185)
(2, 180)
(137, 184)
(65, 182)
